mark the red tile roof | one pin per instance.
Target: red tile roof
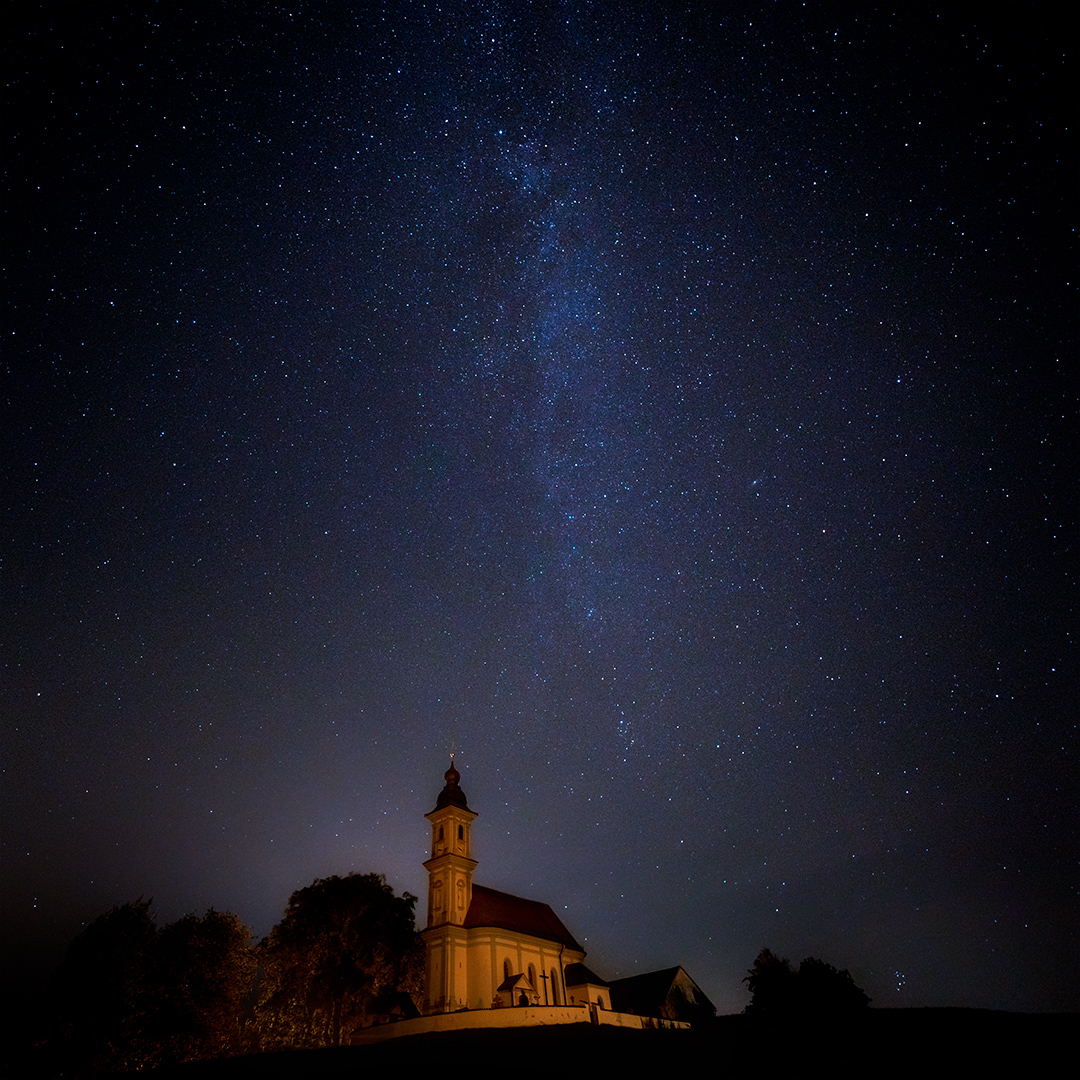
(492, 908)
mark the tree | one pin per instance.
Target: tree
(824, 990)
(817, 989)
(129, 996)
(202, 977)
(772, 985)
(98, 997)
(343, 944)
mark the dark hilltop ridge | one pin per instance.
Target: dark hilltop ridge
(881, 1043)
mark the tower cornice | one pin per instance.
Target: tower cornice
(450, 858)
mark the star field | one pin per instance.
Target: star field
(666, 412)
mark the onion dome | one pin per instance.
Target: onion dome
(451, 795)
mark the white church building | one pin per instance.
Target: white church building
(497, 960)
(487, 949)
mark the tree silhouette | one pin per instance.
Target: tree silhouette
(202, 975)
(772, 985)
(343, 944)
(824, 990)
(97, 996)
(817, 989)
(128, 996)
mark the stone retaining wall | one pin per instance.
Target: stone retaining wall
(527, 1016)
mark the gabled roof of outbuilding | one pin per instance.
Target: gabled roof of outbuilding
(647, 989)
(580, 975)
(647, 994)
(489, 907)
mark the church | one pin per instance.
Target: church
(487, 950)
(484, 948)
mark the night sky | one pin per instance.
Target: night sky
(667, 412)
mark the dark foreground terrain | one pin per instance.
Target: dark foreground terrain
(917, 1043)
(920, 1043)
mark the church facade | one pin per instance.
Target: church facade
(494, 960)
(484, 948)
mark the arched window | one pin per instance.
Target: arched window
(440, 832)
(554, 988)
(506, 969)
(461, 832)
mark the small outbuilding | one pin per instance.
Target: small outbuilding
(669, 993)
(516, 990)
(585, 987)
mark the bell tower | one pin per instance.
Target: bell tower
(450, 871)
(451, 864)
